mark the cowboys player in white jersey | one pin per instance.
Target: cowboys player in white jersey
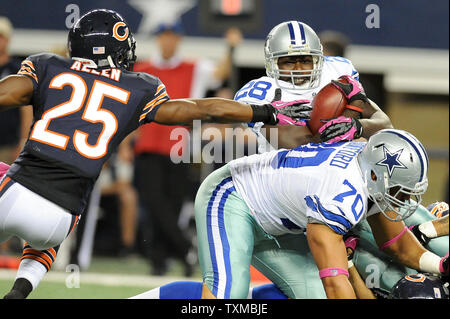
(297, 69)
(252, 210)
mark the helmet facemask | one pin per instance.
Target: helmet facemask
(397, 198)
(293, 38)
(394, 166)
(126, 57)
(288, 79)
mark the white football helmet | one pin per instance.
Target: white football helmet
(293, 38)
(394, 164)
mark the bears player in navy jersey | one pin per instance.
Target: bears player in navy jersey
(83, 108)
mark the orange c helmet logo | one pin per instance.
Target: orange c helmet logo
(116, 31)
(416, 278)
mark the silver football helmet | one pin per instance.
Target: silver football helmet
(394, 165)
(293, 38)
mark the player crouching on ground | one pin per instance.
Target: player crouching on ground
(252, 210)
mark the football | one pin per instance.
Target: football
(328, 103)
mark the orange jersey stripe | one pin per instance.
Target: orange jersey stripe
(5, 181)
(27, 68)
(74, 224)
(155, 105)
(150, 104)
(161, 87)
(29, 63)
(25, 72)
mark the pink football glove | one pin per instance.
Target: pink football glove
(340, 129)
(351, 241)
(443, 265)
(352, 90)
(3, 169)
(292, 113)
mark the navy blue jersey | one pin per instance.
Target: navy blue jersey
(80, 117)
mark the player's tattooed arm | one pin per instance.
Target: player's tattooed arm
(219, 110)
(15, 90)
(184, 111)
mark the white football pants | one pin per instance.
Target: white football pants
(31, 217)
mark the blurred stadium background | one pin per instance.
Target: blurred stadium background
(400, 48)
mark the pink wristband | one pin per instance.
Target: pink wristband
(393, 240)
(332, 272)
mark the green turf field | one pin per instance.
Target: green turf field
(52, 290)
(106, 278)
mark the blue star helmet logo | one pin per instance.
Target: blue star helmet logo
(391, 160)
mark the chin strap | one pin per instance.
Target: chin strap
(110, 61)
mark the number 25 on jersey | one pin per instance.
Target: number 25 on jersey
(92, 113)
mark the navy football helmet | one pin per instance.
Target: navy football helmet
(438, 209)
(102, 38)
(420, 286)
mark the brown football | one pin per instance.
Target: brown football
(328, 103)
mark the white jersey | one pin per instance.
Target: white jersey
(286, 188)
(262, 91)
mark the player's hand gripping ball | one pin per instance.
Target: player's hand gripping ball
(329, 103)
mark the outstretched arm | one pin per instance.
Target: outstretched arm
(441, 226)
(399, 242)
(184, 111)
(15, 90)
(219, 110)
(430, 229)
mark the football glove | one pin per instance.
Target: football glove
(282, 113)
(298, 110)
(421, 237)
(351, 241)
(340, 129)
(352, 90)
